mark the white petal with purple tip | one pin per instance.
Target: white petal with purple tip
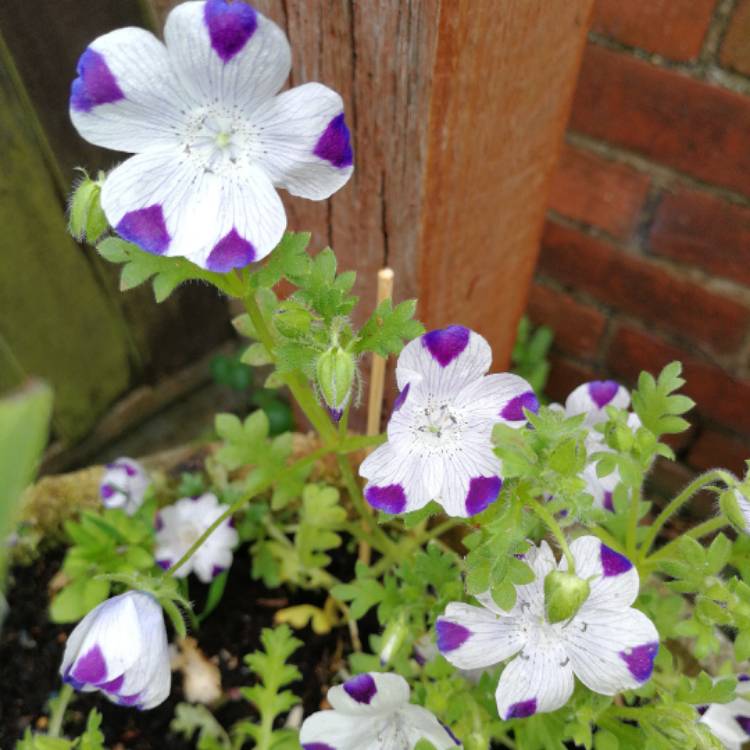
(500, 397)
(592, 399)
(123, 485)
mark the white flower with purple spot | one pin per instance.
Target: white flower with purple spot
(179, 526)
(592, 399)
(120, 648)
(730, 722)
(123, 485)
(212, 137)
(439, 436)
(372, 712)
(607, 644)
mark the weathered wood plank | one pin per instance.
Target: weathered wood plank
(55, 320)
(46, 40)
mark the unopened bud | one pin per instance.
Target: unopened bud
(564, 593)
(87, 220)
(736, 507)
(293, 320)
(335, 372)
(393, 638)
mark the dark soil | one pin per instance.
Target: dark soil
(31, 649)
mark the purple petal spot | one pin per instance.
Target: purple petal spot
(230, 252)
(613, 563)
(230, 26)
(450, 733)
(445, 344)
(146, 228)
(640, 660)
(482, 492)
(90, 668)
(513, 410)
(450, 635)
(70, 680)
(335, 414)
(603, 391)
(107, 491)
(522, 709)
(164, 564)
(391, 498)
(744, 722)
(701, 710)
(129, 700)
(335, 144)
(317, 746)
(216, 570)
(113, 686)
(401, 398)
(158, 522)
(607, 502)
(131, 471)
(361, 688)
(743, 677)
(95, 84)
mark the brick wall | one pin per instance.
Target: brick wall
(646, 253)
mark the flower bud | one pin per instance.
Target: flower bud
(393, 638)
(87, 220)
(120, 648)
(564, 593)
(124, 485)
(335, 373)
(736, 507)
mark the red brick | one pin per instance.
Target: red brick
(715, 448)
(696, 127)
(673, 28)
(735, 51)
(697, 228)
(578, 328)
(565, 375)
(598, 192)
(642, 288)
(719, 396)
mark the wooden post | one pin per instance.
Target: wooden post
(377, 369)
(458, 111)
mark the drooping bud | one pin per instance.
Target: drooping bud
(335, 372)
(564, 593)
(736, 507)
(120, 648)
(87, 220)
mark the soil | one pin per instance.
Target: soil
(31, 649)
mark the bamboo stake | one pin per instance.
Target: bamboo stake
(377, 385)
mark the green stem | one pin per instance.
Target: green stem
(296, 381)
(380, 539)
(679, 500)
(631, 538)
(410, 544)
(58, 714)
(702, 529)
(238, 504)
(549, 520)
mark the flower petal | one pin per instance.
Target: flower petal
(395, 482)
(421, 724)
(592, 398)
(538, 680)
(721, 720)
(601, 488)
(499, 397)
(227, 52)
(335, 730)
(307, 148)
(444, 361)
(161, 202)
(612, 577)
(612, 650)
(126, 96)
(473, 637)
(370, 693)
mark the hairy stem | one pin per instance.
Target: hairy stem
(701, 530)
(681, 499)
(549, 521)
(58, 713)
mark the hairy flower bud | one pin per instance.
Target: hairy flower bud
(335, 373)
(564, 593)
(736, 508)
(87, 220)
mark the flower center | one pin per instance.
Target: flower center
(188, 535)
(219, 140)
(438, 426)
